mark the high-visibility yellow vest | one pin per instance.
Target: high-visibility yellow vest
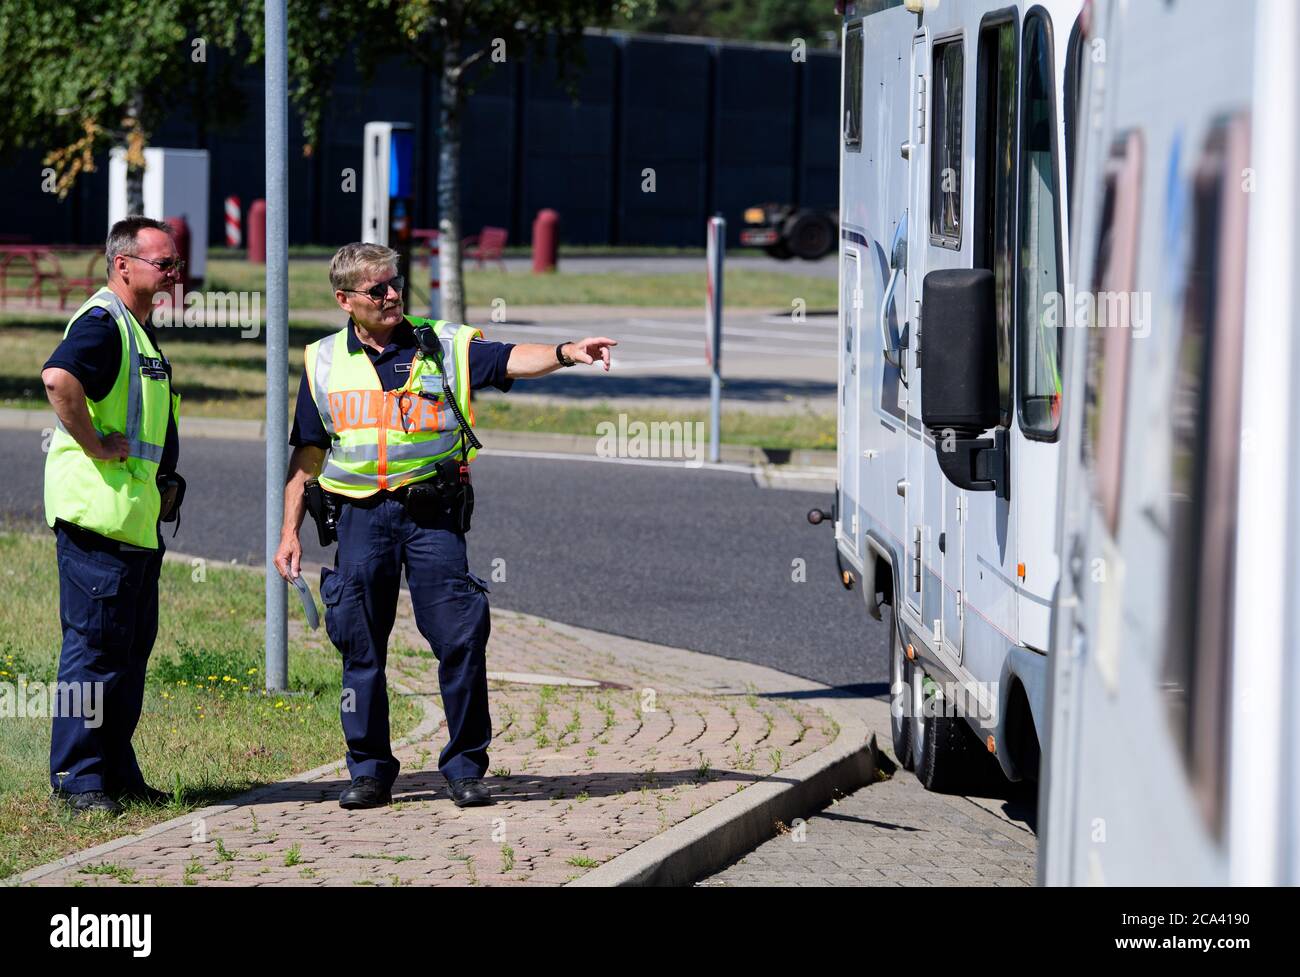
(384, 439)
(117, 499)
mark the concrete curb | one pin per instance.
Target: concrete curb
(433, 717)
(13, 418)
(719, 835)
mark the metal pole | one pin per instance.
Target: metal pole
(277, 322)
(716, 248)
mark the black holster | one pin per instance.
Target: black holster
(171, 493)
(324, 509)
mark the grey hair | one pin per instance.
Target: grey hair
(122, 236)
(353, 263)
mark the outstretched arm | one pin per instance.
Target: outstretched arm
(529, 360)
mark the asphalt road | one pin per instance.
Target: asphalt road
(694, 558)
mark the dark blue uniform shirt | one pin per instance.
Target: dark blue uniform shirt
(487, 368)
(92, 352)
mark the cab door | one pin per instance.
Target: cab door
(1040, 289)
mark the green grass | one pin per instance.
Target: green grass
(743, 288)
(207, 726)
(222, 376)
(217, 373)
(309, 287)
(804, 429)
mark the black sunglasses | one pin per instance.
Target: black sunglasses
(378, 291)
(166, 265)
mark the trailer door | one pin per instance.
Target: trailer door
(850, 454)
(945, 238)
(915, 541)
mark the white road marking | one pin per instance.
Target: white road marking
(826, 353)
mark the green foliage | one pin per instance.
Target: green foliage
(753, 20)
(79, 75)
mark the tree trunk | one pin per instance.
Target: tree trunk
(134, 190)
(134, 146)
(450, 262)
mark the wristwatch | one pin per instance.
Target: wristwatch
(561, 358)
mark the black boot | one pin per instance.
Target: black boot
(365, 792)
(469, 792)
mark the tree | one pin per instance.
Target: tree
(77, 76)
(455, 38)
(753, 20)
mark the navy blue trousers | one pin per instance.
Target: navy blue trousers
(108, 606)
(377, 540)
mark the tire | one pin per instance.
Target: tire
(915, 708)
(900, 696)
(810, 236)
(780, 251)
(949, 758)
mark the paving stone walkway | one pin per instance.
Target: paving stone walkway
(580, 774)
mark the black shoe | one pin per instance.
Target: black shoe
(469, 792)
(87, 801)
(365, 792)
(144, 794)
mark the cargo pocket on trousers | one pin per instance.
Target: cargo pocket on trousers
(88, 605)
(331, 592)
(478, 616)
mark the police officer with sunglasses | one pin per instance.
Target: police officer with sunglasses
(110, 478)
(382, 438)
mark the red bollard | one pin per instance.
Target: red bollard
(181, 235)
(257, 232)
(546, 241)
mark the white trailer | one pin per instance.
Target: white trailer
(957, 122)
(1174, 747)
(175, 185)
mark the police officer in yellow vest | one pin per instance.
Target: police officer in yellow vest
(384, 419)
(109, 477)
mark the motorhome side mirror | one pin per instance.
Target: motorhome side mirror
(958, 321)
(960, 399)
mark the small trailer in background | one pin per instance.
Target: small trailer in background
(785, 231)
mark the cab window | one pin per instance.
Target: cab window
(852, 121)
(1040, 303)
(945, 139)
(994, 133)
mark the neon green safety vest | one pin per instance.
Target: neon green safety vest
(117, 499)
(384, 439)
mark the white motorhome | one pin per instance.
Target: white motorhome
(1174, 747)
(957, 123)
